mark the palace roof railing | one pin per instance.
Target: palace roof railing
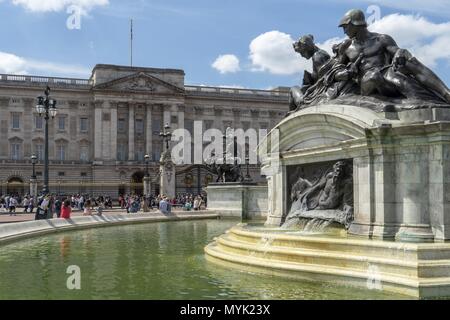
(88, 83)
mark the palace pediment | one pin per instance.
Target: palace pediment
(140, 83)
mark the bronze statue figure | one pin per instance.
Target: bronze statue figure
(368, 69)
(229, 168)
(306, 48)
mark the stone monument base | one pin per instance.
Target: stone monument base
(238, 199)
(417, 270)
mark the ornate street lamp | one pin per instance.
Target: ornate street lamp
(248, 178)
(166, 135)
(147, 160)
(46, 108)
(33, 161)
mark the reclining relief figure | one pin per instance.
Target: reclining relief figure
(330, 198)
(370, 70)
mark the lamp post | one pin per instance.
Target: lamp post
(33, 180)
(248, 178)
(46, 108)
(166, 135)
(147, 160)
(33, 161)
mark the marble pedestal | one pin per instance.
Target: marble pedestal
(167, 179)
(401, 166)
(244, 200)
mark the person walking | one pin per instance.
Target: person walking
(12, 206)
(25, 204)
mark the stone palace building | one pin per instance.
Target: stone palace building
(107, 124)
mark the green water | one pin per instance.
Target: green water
(151, 261)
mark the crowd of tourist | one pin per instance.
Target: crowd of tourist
(49, 206)
(185, 201)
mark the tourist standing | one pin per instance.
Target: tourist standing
(101, 206)
(196, 204)
(164, 206)
(87, 211)
(43, 206)
(66, 209)
(58, 205)
(31, 204)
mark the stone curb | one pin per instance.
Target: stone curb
(22, 230)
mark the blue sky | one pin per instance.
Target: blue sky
(192, 35)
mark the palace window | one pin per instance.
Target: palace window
(61, 123)
(156, 126)
(189, 126)
(84, 153)
(15, 151)
(121, 152)
(39, 151)
(84, 124)
(140, 155)
(61, 152)
(121, 125)
(38, 122)
(156, 152)
(139, 126)
(16, 121)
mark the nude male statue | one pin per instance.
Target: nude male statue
(307, 49)
(384, 68)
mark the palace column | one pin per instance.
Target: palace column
(98, 105)
(181, 109)
(131, 133)
(166, 115)
(149, 132)
(113, 141)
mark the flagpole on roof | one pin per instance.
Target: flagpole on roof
(131, 41)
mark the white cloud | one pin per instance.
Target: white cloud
(428, 41)
(12, 64)
(59, 5)
(227, 63)
(438, 7)
(273, 52)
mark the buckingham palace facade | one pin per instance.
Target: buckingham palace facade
(107, 124)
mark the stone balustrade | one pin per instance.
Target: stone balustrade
(38, 80)
(88, 83)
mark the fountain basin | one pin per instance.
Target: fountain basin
(17, 231)
(420, 270)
